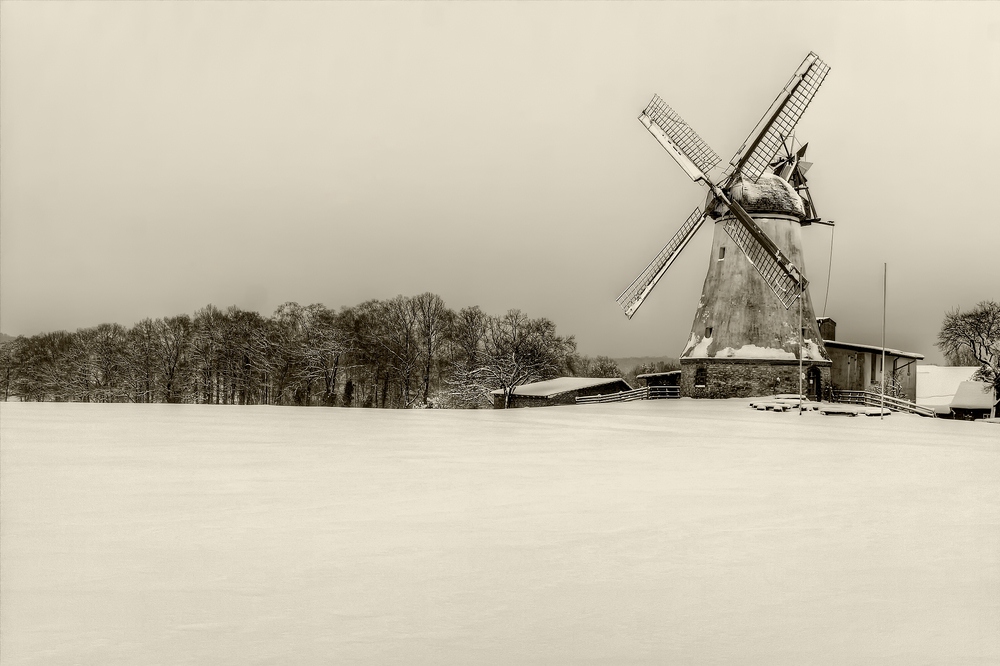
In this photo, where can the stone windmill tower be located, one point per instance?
(747, 339)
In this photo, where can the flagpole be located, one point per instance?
(885, 275)
(800, 352)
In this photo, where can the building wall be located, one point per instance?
(862, 371)
(738, 378)
(737, 307)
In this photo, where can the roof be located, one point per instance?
(553, 387)
(658, 374)
(936, 384)
(973, 395)
(871, 348)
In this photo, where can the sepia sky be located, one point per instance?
(158, 157)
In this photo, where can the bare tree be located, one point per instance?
(516, 350)
(173, 337)
(975, 335)
(433, 322)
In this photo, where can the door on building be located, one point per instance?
(815, 388)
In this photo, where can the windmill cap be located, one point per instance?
(770, 194)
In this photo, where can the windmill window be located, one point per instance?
(722, 253)
(700, 377)
(708, 331)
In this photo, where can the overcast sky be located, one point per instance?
(158, 157)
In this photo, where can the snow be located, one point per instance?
(973, 395)
(669, 531)
(700, 350)
(690, 344)
(753, 351)
(937, 385)
(559, 385)
(873, 348)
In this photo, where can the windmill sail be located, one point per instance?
(778, 272)
(679, 139)
(632, 298)
(757, 152)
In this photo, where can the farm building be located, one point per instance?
(662, 384)
(973, 400)
(858, 367)
(559, 391)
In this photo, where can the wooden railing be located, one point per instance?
(661, 392)
(623, 396)
(645, 393)
(872, 399)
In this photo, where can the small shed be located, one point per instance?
(972, 401)
(560, 391)
(671, 378)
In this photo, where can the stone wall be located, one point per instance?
(744, 378)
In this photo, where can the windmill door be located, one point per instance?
(814, 390)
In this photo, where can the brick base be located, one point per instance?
(745, 378)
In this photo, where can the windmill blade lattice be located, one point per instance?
(784, 286)
(632, 298)
(681, 134)
(768, 137)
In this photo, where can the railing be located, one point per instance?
(661, 392)
(645, 393)
(872, 399)
(623, 396)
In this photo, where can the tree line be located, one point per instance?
(404, 352)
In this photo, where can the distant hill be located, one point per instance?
(4, 338)
(628, 363)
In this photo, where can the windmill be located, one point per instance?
(745, 339)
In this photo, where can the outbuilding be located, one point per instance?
(857, 367)
(973, 400)
(560, 391)
(662, 384)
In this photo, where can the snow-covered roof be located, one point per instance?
(658, 374)
(973, 395)
(936, 385)
(871, 348)
(552, 387)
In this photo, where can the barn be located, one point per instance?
(560, 391)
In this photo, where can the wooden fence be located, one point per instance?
(645, 393)
(872, 399)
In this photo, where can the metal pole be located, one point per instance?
(800, 352)
(885, 275)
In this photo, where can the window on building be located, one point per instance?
(701, 377)
(708, 331)
(722, 253)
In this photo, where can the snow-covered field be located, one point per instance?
(666, 532)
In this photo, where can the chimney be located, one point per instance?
(827, 328)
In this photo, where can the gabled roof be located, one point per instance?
(836, 344)
(553, 387)
(973, 395)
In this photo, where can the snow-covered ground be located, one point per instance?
(665, 532)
